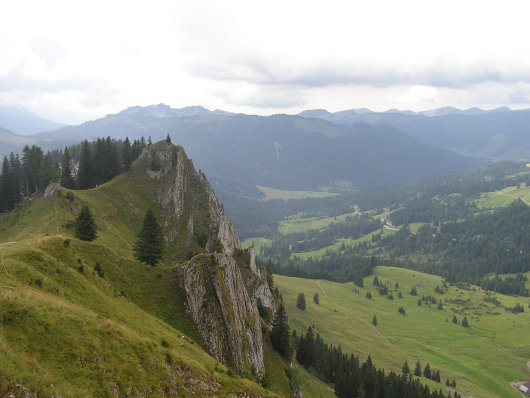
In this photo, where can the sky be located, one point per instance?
(73, 61)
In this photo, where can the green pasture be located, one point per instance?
(337, 245)
(272, 193)
(483, 359)
(300, 223)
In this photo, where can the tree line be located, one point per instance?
(80, 166)
(350, 377)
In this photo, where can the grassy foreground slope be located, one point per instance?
(483, 359)
(68, 330)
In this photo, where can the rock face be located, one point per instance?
(226, 318)
(222, 284)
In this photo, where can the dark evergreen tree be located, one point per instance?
(300, 301)
(85, 174)
(67, 180)
(374, 321)
(464, 322)
(5, 187)
(316, 298)
(148, 248)
(168, 139)
(126, 155)
(47, 173)
(280, 336)
(417, 369)
(85, 227)
(427, 371)
(405, 369)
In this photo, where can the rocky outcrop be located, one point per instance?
(223, 284)
(185, 186)
(225, 316)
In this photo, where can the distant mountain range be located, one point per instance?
(497, 134)
(24, 122)
(238, 152)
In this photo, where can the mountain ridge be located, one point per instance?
(126, 328)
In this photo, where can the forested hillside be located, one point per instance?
(460, 226)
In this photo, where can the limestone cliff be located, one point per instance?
(221, 282)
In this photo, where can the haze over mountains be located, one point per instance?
(497, 134)
(238, 152)
(24, 122)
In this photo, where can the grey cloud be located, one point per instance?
(256, 70)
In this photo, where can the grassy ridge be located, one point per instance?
(483, 358)
(66, 330)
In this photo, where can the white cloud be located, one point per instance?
(89, 59)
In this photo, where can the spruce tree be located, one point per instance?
(148, 247)
(280, 336)
(300, 301)
(374, 321)
(464, 322)
(66, 173)
(406, 369)
(4, 186)
(427, 371)
(85, 227)
(417, 370)
(126, 155)
(85, 173)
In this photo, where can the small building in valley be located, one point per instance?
(525, 387)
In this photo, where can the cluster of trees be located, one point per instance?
(26, 176)
(513, 285)
(465, 323)
(350, 377)
(80, 166)
(333, 266)
(103, 159)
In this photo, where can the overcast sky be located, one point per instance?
(73, 61)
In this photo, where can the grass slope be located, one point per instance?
(65, 329)
(484, 358)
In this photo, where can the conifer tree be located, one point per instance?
(374, 321)
(427, 371)
(85, 173)
(280, 336)
(4, 186)
(417, 370)
(66, 173)
(300, 301)
(148, 247)
(406, 369)
(126, 155)
(464, 322)
(85, 227)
